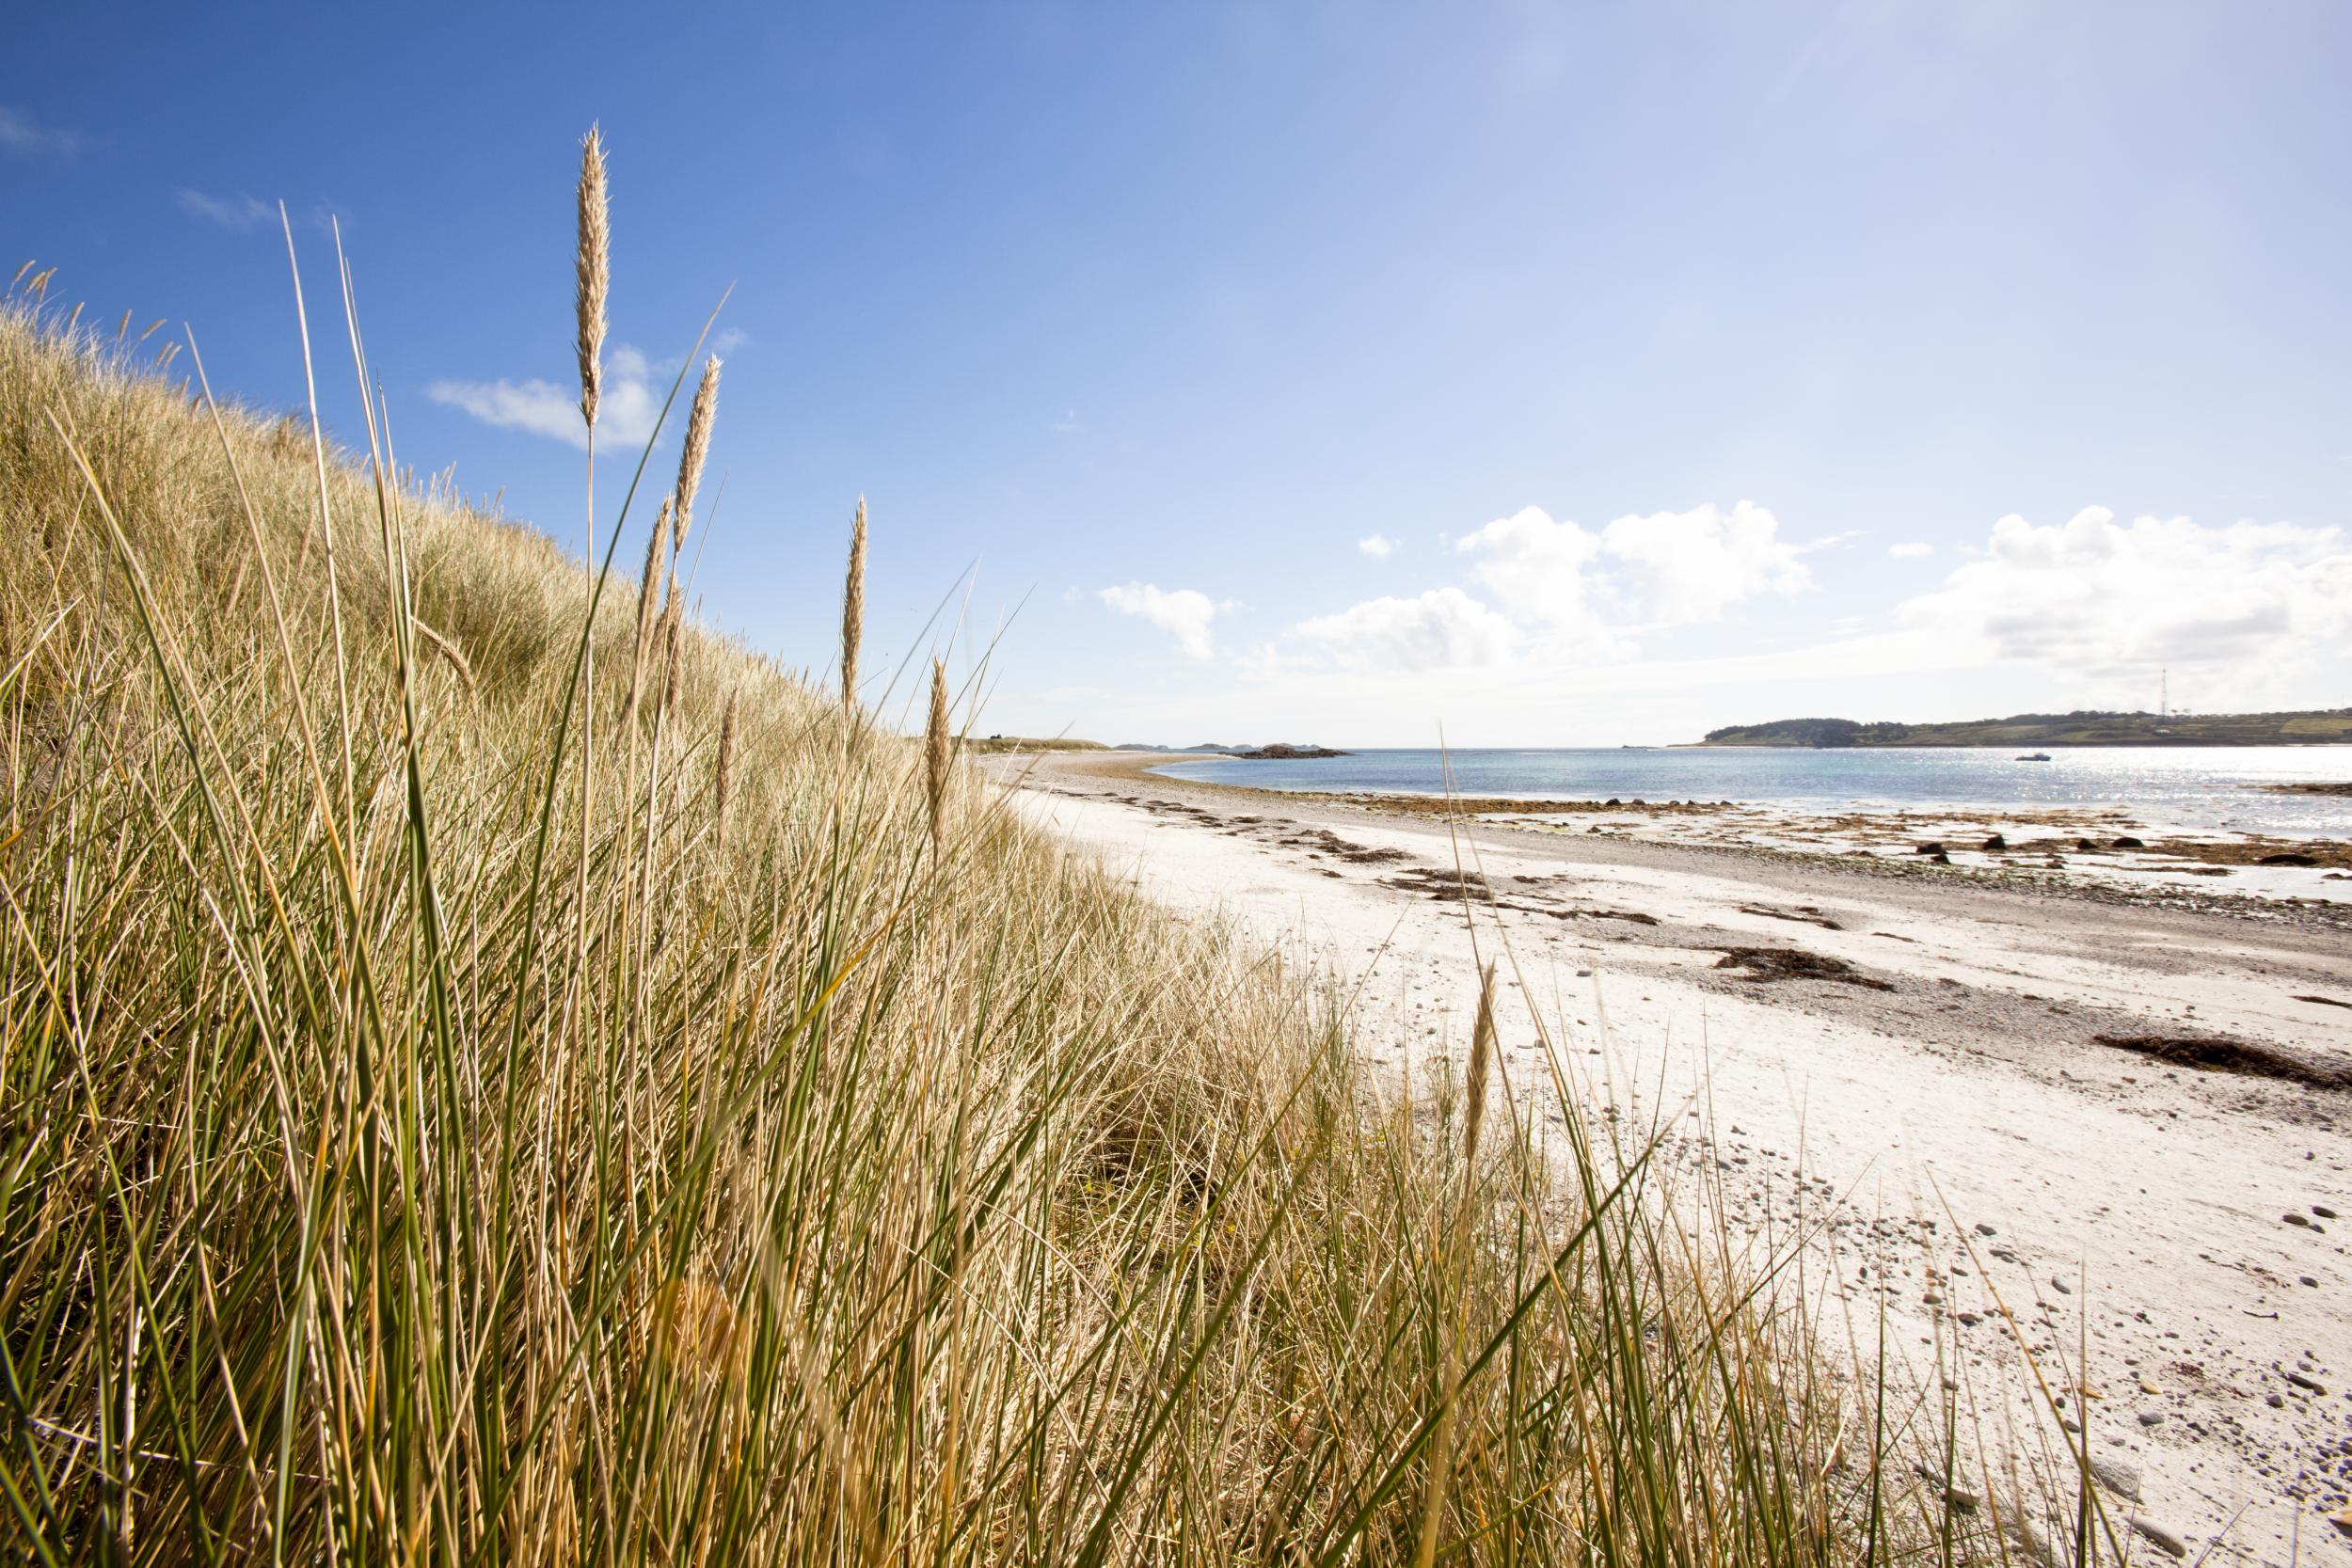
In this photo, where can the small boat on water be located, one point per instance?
(2035, 757)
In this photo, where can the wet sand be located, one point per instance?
(1992, 1077)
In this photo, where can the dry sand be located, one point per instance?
(1922, 1083)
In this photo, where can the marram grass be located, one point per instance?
(873, 1182)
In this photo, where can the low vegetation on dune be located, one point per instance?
(490, 1071)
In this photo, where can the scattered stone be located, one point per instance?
(1932, 847)
(1983, 1229)
(2323, 1212)
(2060, 1286)
(2084, 846)
(1997, 843)
(2309, 1384)
(2296, 1219)
(2128, 842)
(1939, 858)
(2117, 1477)
(2288, 857)
(2159, 1537)
(2151, 1417)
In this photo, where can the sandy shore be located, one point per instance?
(1907, 1055)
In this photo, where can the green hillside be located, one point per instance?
(2331, 726)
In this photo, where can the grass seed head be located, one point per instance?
(727, 756)
(853, 608)
(936, 742)
(595, 265)
(689, 461)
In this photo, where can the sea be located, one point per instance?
(2213, 788)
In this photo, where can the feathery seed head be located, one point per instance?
(853, 608)
(935, 751)
(671, 660)
(645, 587)
(690, 462)
(1481, 1063)
(727, 756)
(594, 266)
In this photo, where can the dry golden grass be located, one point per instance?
(870, 1181)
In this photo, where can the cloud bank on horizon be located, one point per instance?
(1544, 606)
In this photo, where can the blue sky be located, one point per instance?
(1558, 375)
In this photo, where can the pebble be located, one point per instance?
(2117, 1477)
(2060, 1286)
(2296, 1219)
(2151, 1417)
(2310, 1382)
(2323, 1212)
(2161, 1538)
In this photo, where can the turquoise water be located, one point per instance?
(2187, 786)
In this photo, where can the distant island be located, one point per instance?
(1278, 751)
(2319, 727)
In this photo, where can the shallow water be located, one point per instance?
(2207, 787)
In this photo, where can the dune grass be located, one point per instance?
(418, 1144)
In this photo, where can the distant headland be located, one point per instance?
(2316, 728)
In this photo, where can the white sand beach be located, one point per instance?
(1923, 1081)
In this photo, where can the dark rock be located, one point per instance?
(2084, 845)
(2128, 842)
(1996, 842)
(1932, 847)
(2288, 858)
(1286, 753)
(2323, 1212)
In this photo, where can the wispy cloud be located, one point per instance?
(241, 213)
(237, 213)
(1378, 545)
(24, 136)
(1068, 424)
(1183, 612)
(1910, 549)
(625, 417)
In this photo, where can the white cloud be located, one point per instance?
(2094, 598)
(1695, 564)
(1183, 612)
(1442, 629)
(20, 133)
(1379, 547)
(1910, 550)
(1536, 565)
(624, 416)
(1667, 568)
(237, 213)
